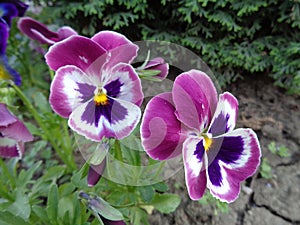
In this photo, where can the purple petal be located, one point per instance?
(95, 173)
(124, 124)
(131, 90)
(6, 117)
(195, 99)
(162, 134)
(194, 158)
(3, 36)
(75, 50)
(115, 120)
(10, 148)
(121, 49)
(37, 31)
(225, 117)
(158, 64)
(70, 88)
(17, 131)
(8, 73)
(8, 12)
(238, 158)
(65, 32)
(111, 222)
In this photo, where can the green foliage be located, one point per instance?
(235, 38)
(281, 151)
(217, 205)
(265, 169)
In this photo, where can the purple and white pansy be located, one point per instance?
(13, 134)
(192, 120)
(95, 86)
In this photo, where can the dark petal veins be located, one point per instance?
(89, 113)
(199, 150)
(214, 173)
(86, 90)
(113, 112)
(113, 88)
(231, 149)
(219, 125)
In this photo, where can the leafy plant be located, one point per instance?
(228, 34)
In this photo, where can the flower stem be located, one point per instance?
(62, 151)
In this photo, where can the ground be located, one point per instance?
(275, 116)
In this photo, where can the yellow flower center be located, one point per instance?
(3, 73)
(208, 142)
(101, 98)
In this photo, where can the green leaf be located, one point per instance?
(41, 213)
(147, 193)
(25, 176)
(166, 203)
(21, 207)
(161, 187)
(100, 206)
(52, 209)
(8, 218)
(54, 173)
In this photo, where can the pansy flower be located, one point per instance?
(8, 10)
(13, 134)
(193, 121)
(95, 86)
(38, 31)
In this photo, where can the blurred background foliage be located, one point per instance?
(235, 38)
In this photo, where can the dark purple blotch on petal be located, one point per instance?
(214, 173)
(113, 111)
(113, 88)
(86, 90)
(219, 125)
(199, 152)
(231, 149)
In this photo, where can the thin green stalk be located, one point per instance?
(62, 153)
(7, 173)
(118, 151)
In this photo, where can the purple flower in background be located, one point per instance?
(13, 134)
(95, 86)
(38, 31)
(159, 64)
(193, 121)
(8, 10)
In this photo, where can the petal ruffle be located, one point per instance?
(131, 89)
(70, 88)
(121, 49)
(10, 148)
(237, 159)
(17, 131)
(162, 134)
(75, 50)
(195, 99)
(225, 117)
(194, 158)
